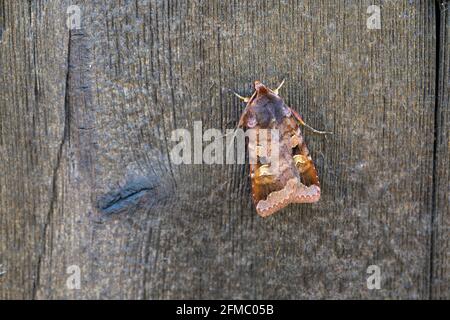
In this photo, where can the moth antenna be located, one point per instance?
(279, 87)
(245, 99)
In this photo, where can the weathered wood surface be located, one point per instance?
(440, 258)
(85, 123)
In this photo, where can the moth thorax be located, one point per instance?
(302, 162)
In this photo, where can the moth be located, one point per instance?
(295, 178)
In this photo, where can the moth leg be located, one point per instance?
(300, 120)
(279, 87)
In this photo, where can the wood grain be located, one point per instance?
(85, 123)
(440, 251)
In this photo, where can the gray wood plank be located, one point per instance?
(109, 201)
(33, 69)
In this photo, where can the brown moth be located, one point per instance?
(295, 180)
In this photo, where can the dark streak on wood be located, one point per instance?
(440, 220)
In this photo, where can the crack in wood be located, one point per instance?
(54, 196)
(134, 192)
(440, 12)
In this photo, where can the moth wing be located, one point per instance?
(262, 184)
(303, 162)
(296, 115)
(296, 183)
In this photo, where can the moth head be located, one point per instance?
(263, 90)
(260, 88)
